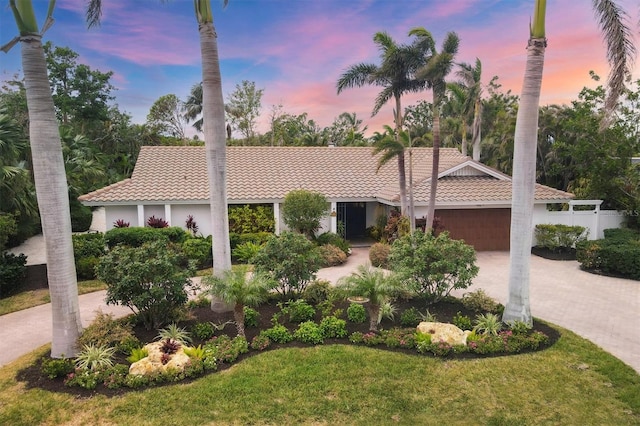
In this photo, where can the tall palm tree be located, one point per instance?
(470, 78)
(371, 283)
(620, 52)
(50, 181)
(394, 75)
(214, 131)
(240, 288)
(434, 71)
(192, 107)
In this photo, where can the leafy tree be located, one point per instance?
(371, 283)
(243, 108)
(620, 50)
(166, 117)
(303, 210)
(433, 266)
(434, 71)
(150, 280)
(345, 131)
(50, 181)
(395, 76)
(81, 95)
(291, 260)
(240, 288)
(192, 107)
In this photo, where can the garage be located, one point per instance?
(484, 229)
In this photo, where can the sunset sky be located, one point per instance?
(296, 49)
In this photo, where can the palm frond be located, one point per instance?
(382, 98)
(94, 13)
(356, 76)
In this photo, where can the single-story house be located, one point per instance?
(473, 200)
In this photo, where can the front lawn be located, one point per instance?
(573, 382)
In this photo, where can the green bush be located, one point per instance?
(559, 237)
(199, 250)
(105, 330)
(136, 236)
(203, 330)
(260, 342)
(149, 279)
(250, 317)
(433, 266)
(278, 334)
(331, 255)
(318, 291)
(88, 245)
(410, 317)
(463, 322)
(617, 254)
(335, 240)
(259, 238)
(298, 311)
(303, 210)
(53, 368)
(86, 268)
(245, 252)
(379, 255)
(289, 259)
(251, 219)
(8, 228)
(309, 332)
(333, 328)
(621, 234)
(81, 216)
(479, 301)
(356, 313)
(13, 271)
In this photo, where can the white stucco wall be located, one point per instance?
(126, 213)
(200, 212)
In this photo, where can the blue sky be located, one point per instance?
(296, 49)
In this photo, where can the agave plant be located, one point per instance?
(487, 324)
(173, 332)
(93, 357)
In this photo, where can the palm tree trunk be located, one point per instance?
(401, 165)
(238, 316)
(215, 146)
(464, 148)
(53, 199)
(374, 311)
(477, 129)
(523, 186)
(431, 209)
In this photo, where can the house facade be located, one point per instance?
(473, 201)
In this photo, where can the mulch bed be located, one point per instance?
(443, 311)
(563, 254)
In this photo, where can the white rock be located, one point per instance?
(444, 332)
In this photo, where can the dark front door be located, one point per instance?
(353, 217)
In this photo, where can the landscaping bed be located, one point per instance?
(444, 311)
(557, 254)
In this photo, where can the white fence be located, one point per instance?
(596, 220)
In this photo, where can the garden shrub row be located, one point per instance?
(136, 236)
(617, 254)
(559, 237)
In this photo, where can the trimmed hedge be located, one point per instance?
(617, 254)
(13, 271)
(136, 236)
(335, 240)
(559, 237)
(87, 250)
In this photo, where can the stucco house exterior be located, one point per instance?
(473, 201)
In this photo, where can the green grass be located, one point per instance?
(31, 298)
(574, 382)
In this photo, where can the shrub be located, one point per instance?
(302, 211)
(86, 268)
(259, 238)
(203, 330)
(356, 313)
(54, 368)
(433, 266)
(157, 222)
(199, 250)
(174, 333)
(105, 330)
(13, 271)
(410, 317)
(331, 255)
(379, 255)
(332, 327)
(298, 311)
(309, 332)
(245, 252)
(251, 219)
(278, 334)
(136, 236)
(479, 301)
(121, 223)
(318, 291)
(463, 322)
(335, 240)
(617, 254)
(621, 234)
(225, 349)
(260, 342)
(291, 260)
(399, 338)
(191, 225)
(559, 237)
(81, 216)
(148, 279)
(487, 324)
(93, 357)
(8, 228)
(250, 317)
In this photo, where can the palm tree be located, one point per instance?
(371, 283)
(237, 288)
(434, 71)
(470, 78)
(394, 74)
(620, 51)
(192, 107)
(50, 181)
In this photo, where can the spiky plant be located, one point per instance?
(173, 332)
(487, 324)
(93, 357)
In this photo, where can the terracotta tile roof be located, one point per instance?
(269, 173)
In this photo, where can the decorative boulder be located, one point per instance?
(444, 332)
(153, 362)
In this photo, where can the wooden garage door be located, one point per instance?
(484, 229)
